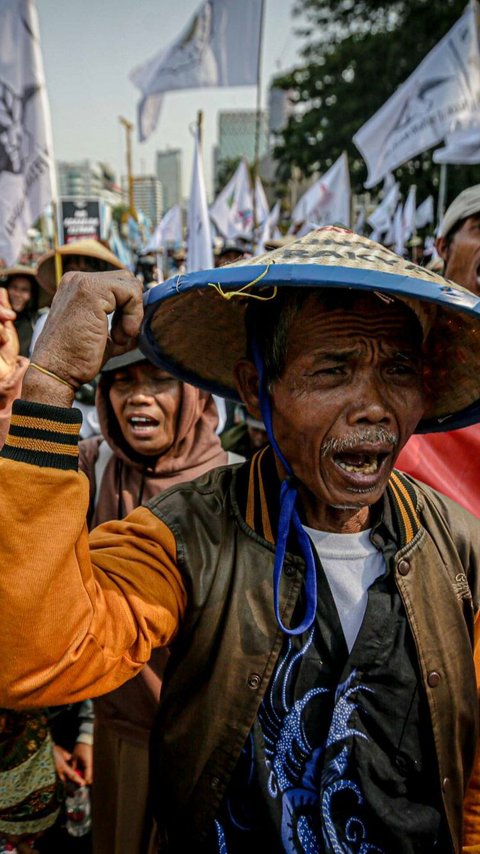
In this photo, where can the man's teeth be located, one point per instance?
(369, 466)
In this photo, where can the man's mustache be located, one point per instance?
(370, 435)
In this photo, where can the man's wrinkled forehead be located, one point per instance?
(320, 326)
(369, 313)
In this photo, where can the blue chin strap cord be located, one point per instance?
(288, 516)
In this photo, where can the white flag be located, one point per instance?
(219, 47)
(408, 213)
(261, 202)
(388, 182)
(232, 210)
(326, 202)
(445, 86)
(27, 174)
(398, 232)
(462, 146)
(381, 218)
(270, 228)
(199, 236)
(168, 230)
(424, 214)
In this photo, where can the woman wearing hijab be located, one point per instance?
(157, 432)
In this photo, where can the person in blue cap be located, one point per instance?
(320, 607)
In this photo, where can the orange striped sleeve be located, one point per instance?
(77, 618)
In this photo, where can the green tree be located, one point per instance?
(356, 53)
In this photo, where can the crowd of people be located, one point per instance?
(267, 641)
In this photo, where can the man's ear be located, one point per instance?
(246, 380)
(442, 248)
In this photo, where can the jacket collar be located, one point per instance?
(258, 490)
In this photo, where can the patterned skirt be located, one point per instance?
(30, 792)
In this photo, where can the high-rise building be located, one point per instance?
(169, 172)
(236, 134)
(148, 197)
(88, 179)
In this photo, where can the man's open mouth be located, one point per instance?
(360, 463)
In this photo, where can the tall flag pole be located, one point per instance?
(199, 235)
(258, 119)
(57, 256)
(128, 138)
(27, 170)
(442, 193)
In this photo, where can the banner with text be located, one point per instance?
(443, 91)
(78, 219)
(27, 173)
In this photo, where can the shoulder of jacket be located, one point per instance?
(215, 484)
(428, 499)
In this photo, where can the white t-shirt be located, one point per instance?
(351, 563)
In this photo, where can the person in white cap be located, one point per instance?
(319, 606)
(449, 461)
(458, 240)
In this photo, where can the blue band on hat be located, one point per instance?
(288, 516)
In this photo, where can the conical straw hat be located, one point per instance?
(88, 247)
(195, 324)
(7, 273)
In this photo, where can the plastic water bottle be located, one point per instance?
(77, 806)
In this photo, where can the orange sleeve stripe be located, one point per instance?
(44, 424)
(41, 445)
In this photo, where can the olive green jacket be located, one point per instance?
(229, 642)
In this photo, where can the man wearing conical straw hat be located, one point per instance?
(320, 607)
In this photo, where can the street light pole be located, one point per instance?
(128, 133)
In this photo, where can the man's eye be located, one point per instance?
(329, 371)
(403, 369)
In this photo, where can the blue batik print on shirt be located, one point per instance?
(335, 779)
(299, 774)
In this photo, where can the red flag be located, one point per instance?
(447, 461)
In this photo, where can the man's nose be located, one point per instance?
(368, 403)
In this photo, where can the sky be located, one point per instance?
(89, 49)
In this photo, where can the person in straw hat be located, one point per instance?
(86, 256)
(23, 291)
(319, 606)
